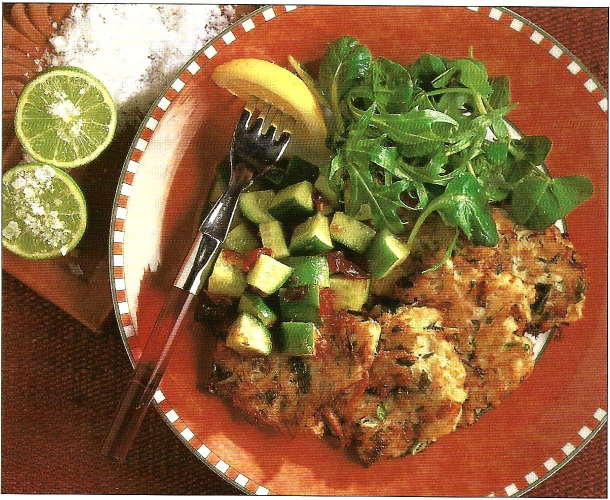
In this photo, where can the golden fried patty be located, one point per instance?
(544, 259)
(289, 392)
(487, 312)
(414, 390)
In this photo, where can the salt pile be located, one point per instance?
(135, 50)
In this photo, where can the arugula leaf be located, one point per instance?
(500, 92)
(471, 75)
(497, 152)
(465, 205)
(383, 200)
(447, 254)
(431, 173)
(422, 100)
(345, 63)
(444, 78)
(538, 202)
(471, 135)
(392, 86)
(427, 68)
(416, 126)
(500, 129)
(390, 160)
(456, 104)
(422, 150)
(524, 156)
(571, 191)
(482, 123)
(492, 179)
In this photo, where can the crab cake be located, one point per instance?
(487, 313)
(544, 259)
(289, 392)
(548, 261)
(414, 391)
(501, 357)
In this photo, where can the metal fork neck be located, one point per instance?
(218, 220)
(212, 232)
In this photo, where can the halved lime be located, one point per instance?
(44, 213)
(65, 117)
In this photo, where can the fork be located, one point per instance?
(254, 149)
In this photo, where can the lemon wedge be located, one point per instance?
(277, 86)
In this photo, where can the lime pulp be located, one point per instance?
(65, 117)
(44, 214)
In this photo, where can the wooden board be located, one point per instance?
(78, 283)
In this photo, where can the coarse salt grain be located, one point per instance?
(64, 109)
(18, 183)
(11, 230)
(37, 209)
(134, 49)
(44, 173)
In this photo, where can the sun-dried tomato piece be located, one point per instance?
(318, 200)
(326, 301)
(253, 255)
(338, 263)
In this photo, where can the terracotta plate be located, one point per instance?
(165, 182)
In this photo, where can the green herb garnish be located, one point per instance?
(432, 137)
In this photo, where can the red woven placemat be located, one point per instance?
(61, 382)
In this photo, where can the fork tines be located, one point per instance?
(270, 122)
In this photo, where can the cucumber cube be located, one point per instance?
(349, 232)
(385, 253)
(364, 212)
(322, 184)
(268, 274)
(309, 270)
(248, 336)
(299, 170)
(298, 339)
(242, 238)
(300, 304)
(311, 237)
(293, 202)
(272, 236)
(349, 293)
(385, 286)
(255, 204)
(227, 277)
(255, 305)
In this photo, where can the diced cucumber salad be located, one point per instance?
(429, 137)
(291, 260)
